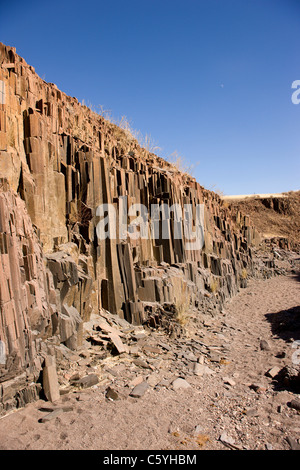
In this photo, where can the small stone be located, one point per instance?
(153, 380)
(201, 369)
(134, 351)
(88, 381)
(164, 346)
(226, 440)
(180, 383)
(75, 377)
(229, 381)
(50, 409)
(119, 345)
(190, 357)
(111, 394)
(151, 350)
(139, 390)
(264, 345)
(141, 363)
(214, 357)
(137, 380)
(293, 444)
(252, 412)
(198, 430)
(295, 404)
(273, 372)
(164, 383)
(51, 415)
(258, 388)
(174, 429)
(50, 380)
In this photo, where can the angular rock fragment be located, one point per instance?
(50, 380)
(264, 345)
(50, 416)
(140, 363)
(295, 404)
(136, 381)
(180, 383)
(273, 372)
(139, 390)
(111, 394)
(229, 381)
(88, 381)
(202, 369)
(118, 344)
(229, 441)
(293, 444)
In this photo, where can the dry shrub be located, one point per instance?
(178, 162)
(182, 304)
(244, 273)
(214, 285)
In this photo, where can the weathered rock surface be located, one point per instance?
(59, 162)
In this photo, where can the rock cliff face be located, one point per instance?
(59, 164)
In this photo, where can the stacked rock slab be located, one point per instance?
(64, 162)
(25, 299)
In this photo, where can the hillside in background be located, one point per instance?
(275, 216)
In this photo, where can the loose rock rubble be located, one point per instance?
(173, 393)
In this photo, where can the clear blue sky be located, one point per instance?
(210, 79)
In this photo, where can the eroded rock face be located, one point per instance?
(25, 296)
(64, 161)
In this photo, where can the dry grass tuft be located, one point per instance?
(214, 285)
(182, 304)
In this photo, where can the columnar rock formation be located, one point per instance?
(59, 162)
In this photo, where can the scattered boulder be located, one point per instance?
(50, 416)
(118, 344)
(264, 345)
(139, 390)
(228, 441)
(111, 394)
(229, 381)
(295, 404)
(50, 380)
(290, 377)
(88, 381)
(180, 383)
(293, 444)
(202, 369)
(273, 372)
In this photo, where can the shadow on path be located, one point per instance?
(297, 276)
(286, 325)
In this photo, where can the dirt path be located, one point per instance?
(235, 400)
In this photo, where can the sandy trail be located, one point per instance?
(195, 418)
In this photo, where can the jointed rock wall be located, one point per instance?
(59, 162)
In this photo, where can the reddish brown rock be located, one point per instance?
(59, 162)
